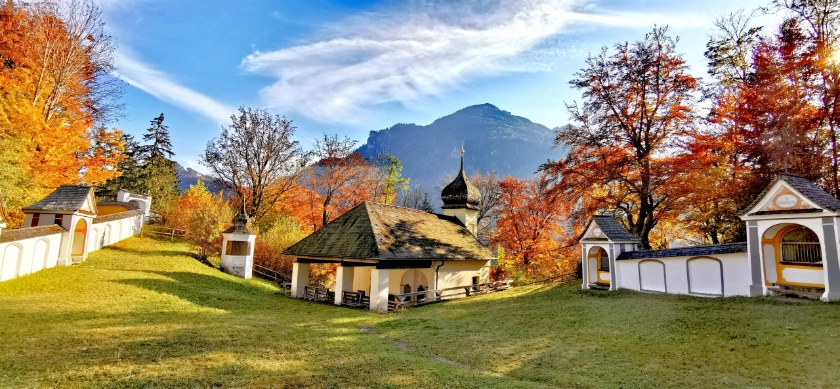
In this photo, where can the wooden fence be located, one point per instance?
(273, 276)
(160, 231)
(414, 299)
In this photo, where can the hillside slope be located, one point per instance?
(143, 313)
(493, 139)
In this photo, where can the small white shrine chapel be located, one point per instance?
(791, 249)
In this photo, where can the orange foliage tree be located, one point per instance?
(203, 216)
(55, 84)
(341, 178)
(637, 101)
(531, 231)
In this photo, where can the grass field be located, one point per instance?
(144, 314)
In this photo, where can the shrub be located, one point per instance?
(203, 216)
(271, 243)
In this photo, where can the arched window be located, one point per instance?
(604, 260)
(801, 245)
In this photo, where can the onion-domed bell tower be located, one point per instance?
(461, 199)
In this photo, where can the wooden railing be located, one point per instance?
(414, 299)
(355, 299)
(172, 233)
(318, 294)
(405, 300)
(271, 275)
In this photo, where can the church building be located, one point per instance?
(388, 254)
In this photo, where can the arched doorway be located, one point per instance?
(793, 256)
(414, 281)
(79, 239)
(599, 266)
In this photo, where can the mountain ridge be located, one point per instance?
(494, 139)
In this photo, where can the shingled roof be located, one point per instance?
(805, 187)
(125, 204)
(29, 232)
(117, 216)
(65, 198)
(240, 225)
(691, 251)
(611, 229)
(385, 232)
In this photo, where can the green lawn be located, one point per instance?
(143, 314)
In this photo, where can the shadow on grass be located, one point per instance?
(163, 253)
(204, 290)
(564, 336)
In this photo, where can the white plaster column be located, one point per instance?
(584, 263)
(343, 282)
(831, 260)
(300, 278)
(754, 254)
(613, 268)
(379, 290)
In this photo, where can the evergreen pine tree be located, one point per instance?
(159, 175)
(160, 145)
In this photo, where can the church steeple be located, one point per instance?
(461, 199)
(460, 193)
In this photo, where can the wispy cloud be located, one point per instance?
(159, 85)
(423, 49)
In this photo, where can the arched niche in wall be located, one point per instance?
(705, 276)
(11, 259)
(40, 257)
(652, 276)
(93, 240)
(106, 236)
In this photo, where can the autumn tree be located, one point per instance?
(269, 246)
(531, 228)
(335, 172)
(813, 26)
(636, 100)
(256, 159)
(203, 216)
(393, 180)
(57, 94)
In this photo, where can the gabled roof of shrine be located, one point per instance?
(75, 198)
(385, 232)
(802, 186)
(609, 228)
(690, 251)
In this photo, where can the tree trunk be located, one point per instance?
(327, 202)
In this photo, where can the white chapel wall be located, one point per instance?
(21, 257)
(26, 256)
(697, 275)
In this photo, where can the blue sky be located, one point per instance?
(349, 67)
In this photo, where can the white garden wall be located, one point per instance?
(21, 254)
(717, 275)
(22, 257)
